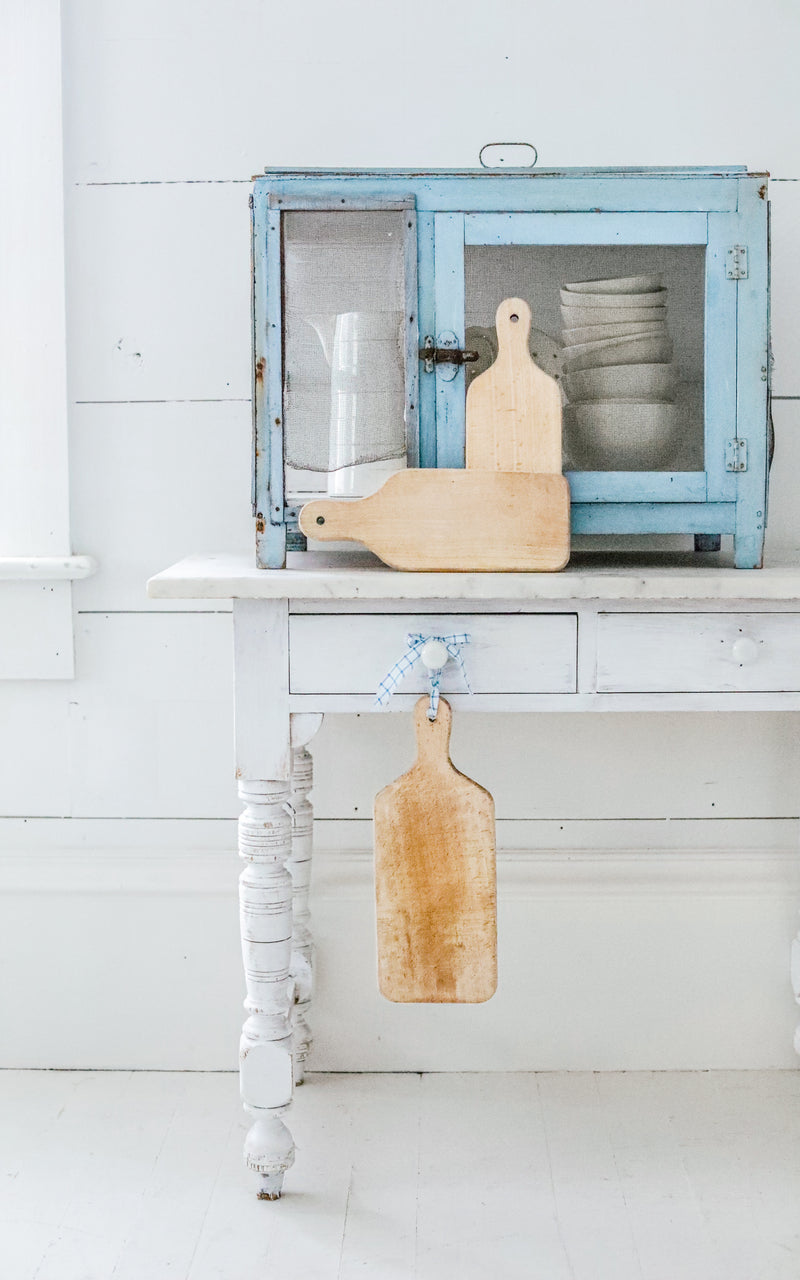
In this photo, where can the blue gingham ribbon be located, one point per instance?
(416, 644)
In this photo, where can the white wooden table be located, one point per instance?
(627, 635)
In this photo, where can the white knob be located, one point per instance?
(744, 650)
(434, 655)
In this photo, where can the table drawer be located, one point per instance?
(698, 652)
(508, 653)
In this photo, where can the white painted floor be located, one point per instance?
(647, 1176)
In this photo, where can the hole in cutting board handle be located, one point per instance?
(433, 736)
(508, 155)
(514, 318)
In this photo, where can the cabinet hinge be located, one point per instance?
(736, 455)
(736, 262)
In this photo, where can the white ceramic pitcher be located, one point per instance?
(363, 350)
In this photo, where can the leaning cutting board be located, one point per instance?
(514, 408)
(454, 520)
(435, 877)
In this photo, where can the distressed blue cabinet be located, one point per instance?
(368, 287)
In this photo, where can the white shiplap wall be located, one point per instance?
(664, 942)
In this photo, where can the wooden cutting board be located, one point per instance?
(466, 521)
(435, 877)
(514, 408)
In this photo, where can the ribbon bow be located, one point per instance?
(416, 643)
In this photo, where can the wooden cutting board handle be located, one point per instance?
(470, 521)
(433, 736)
(435, 877)
(514, 408)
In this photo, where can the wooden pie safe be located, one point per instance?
(374, 291)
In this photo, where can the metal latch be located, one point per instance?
(736, 262)
(446, 352)
(736, 455)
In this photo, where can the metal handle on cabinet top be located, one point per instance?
(451, 354)
(502, 162)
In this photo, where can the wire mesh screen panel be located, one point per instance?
(344, 344)
(621, 327)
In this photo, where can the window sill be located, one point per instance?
(46, 568)
(36, 629)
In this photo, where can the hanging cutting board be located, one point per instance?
(435, 877)
(454, 520)
(514, 408)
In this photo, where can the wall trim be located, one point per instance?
(46, 568)
(527, 873)
(48, 834)
(347, 875)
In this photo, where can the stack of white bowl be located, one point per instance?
(618, 375)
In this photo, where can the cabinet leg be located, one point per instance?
(748, 550)
(265, 1053)
(707, 541)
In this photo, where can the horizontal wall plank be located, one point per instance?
(34, 744)
(158, 292)
(152, 483)
(151, 718)
(154, 91)
(596, 834)
(607, 961)
(614, 765)
(36, 630)
(25, 836)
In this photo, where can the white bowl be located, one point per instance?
(620, 284)
(621, 435)
(602, 332)
(484, 341)
(545, 350)
(655, 298)
(653, 382)
(595, 355)
(575, 317)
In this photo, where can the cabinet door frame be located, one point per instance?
(269, 496)
(453, 232)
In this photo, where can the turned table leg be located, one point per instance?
(263, 766)
(265, 1052)
(299, 866)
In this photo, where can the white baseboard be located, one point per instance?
(346, 875)
(609, 959)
